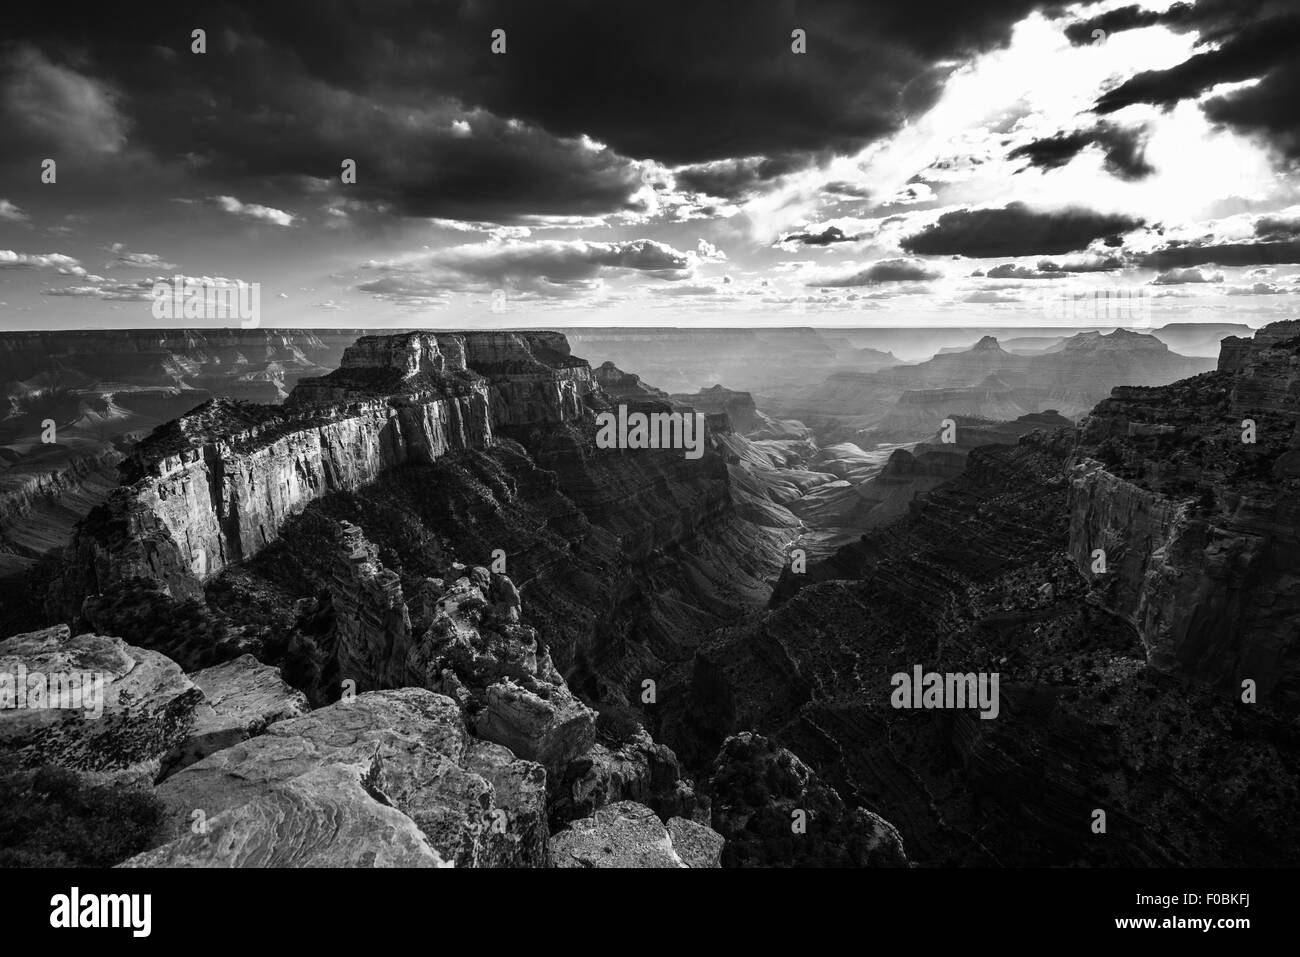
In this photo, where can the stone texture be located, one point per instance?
(324, 818)
(695, 844)
(477, 805)
(633, 770)
(1201, 530)
(544, 723)
(216, 485)
(240, 698)
(627, 834)
(371, 624)
(149, 706)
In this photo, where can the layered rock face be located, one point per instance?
(1200, 529)
(372, 624)
(106, 388)
(216, 486)
(738, 406)
(979, 577)
(43, 496)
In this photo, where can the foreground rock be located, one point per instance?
(240, 699)
(627, 834)
(324, 818)
(122, 729)
(473, 801)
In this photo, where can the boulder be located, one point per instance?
(627, 834)
(543, 723)
(323, 818)
(120, 729)
(477, 805)
(240, 698)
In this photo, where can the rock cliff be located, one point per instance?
(1198, 516)
(216, 486)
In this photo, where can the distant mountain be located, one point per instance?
(906, 402)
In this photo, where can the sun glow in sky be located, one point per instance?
(899, 172)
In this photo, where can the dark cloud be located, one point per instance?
(1054, 152)
(1175, 256)
(1015, 230)
(1240, 40)
(1124, 150)
(829, 235)
(737, 178)
(1014, 271)
(846, 190)
(1080, 33)
(535, 268)
(885, 271)
(1180, 277)
(288, 89)
(1082, 264)
(1277, 227)
(1267, 109)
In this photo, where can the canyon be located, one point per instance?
(417, 599)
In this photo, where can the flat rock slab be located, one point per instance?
(325, 818)
(144, 709)
(475, 803)
(240, 699)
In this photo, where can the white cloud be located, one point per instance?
(266, 214)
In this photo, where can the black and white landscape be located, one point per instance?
(573, 434)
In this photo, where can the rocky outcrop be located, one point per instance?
(216, 486)
(635, 769)
(625, 385)
(1200, 529)
(628, 834)
(42, 497)
(388, 759)
(240, 699)
(543, 723)
(772, 810)
(124, 710)
(326, 817)
(979, 577)
(738, 406)
(371, 623)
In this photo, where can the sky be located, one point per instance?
(737, 163)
